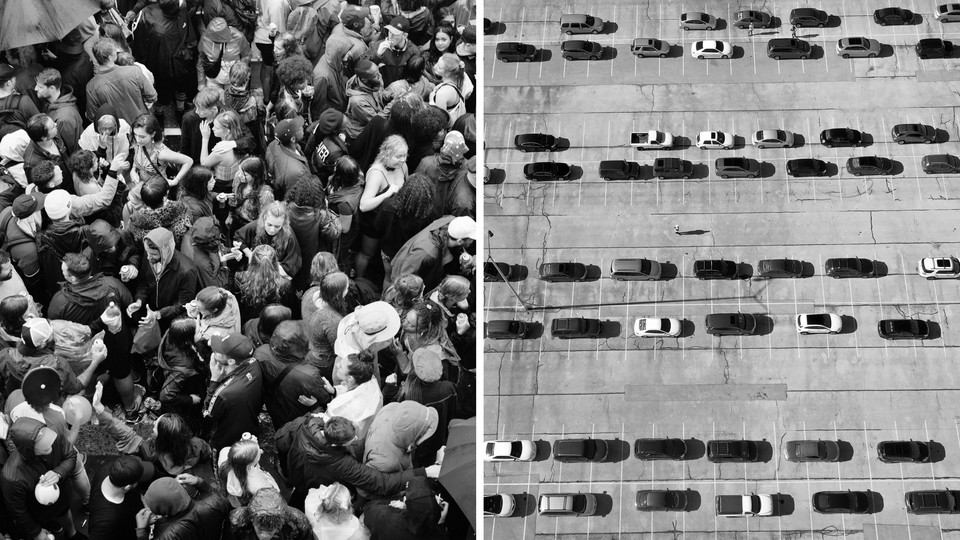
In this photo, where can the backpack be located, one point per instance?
(303, 23)
(11, 118)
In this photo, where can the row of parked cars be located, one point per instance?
(718, 451)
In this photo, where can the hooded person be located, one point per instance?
(42, 458)
(268, 513)
(204, 246)
(395, 433)
(180, 516)
(415, 517)
(364, 97)
(108, 136)
(168, 279)
(443, 168)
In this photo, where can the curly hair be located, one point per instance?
(415, 198)
(294, 70)
(261, 282)
(308, 192)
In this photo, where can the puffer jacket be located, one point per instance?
(268, 502)
(395, 429)
(415, 520)
(22, 473)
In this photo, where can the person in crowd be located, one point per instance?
(240, 471)
(429, 251)
(173, 514)
(272, 228)
(260, 329)
(114, 499)
(315, 227)
(403, 216)
(383, 180)
(263, 283)
(108, 135)
(124, 87)
(61, 106)
(152, 157)
(235, 391)
(195, 193)
(269, 516)
(330, 308)
(323, 263)
(344, 190)
(330, 512)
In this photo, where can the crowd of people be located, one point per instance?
(237, 242)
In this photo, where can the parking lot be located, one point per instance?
(774, 386)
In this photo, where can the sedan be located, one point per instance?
(804, 451)
(535, 142)
(714, 139)
(697, 21)
(947, 13)
(895, 329)
(840, 137)
(759, 19)
(892, 15)
(577, 49)
(940, 501)
(546, 170)
(841, 502)
(657, 327)
(939, 268)
(509, 451)
(562, 272)
(711, 49)
(806, 167)
(859, 166)
(903, 452)
(646, 47)
(934, 48)
(858, 47)
(650, 500)
(773, 138)
(940, 164)
(499, 505)
(656, 449)
(819, 323)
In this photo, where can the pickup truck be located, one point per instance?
(744, 505)
(653, 140)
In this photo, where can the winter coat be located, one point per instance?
(22, 473)
(205, 518)
(202, 245)
(171, 216)
(286, 166)
(396, 428)
(65, 113)
(425, 254)
(53, 242)
(268, 502)
(176, 284)
(416, 521)
(329, 80)
(289, 255)
(124, 87)
(316, 231)
(287, 347)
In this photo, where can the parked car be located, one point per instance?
(788, 48)
(579, 450)
(806, 167)
(858, 47)
(512, 51)
(575, 327)
(491, 273)
(841, 502)
(738, 451)
(650, 500)
(647, 47)
(568, 504)
(544, 171)
(571, 23)
(939, 268)
(934, 48)
(657, 449)
(892, 15)
(619, 169)
(499, 505)
(563, 272)
(635, 270)
(535, 142)
(832, 138)
(940, 164)
(509, 451)
(506, 329)
(772, 138)
(696, 20)
(947, 13)
(805, 451)
(672, 168)
(737, 167)
(730, 324)
(657, 327)
(870, 165)
(715, 269)
(849, 267)
(913, 133)
(903, 451)
(895, 329)
(819, 323)
(808, 17)
(711, 48)
(780, 268)
(934, 501)
(715, 139)
(577, 49)
(759, 19)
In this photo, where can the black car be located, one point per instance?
(730, 324)
(913, 133)
(780, 268)
(562, 272)
(672, 168)
(655, 449)
(903, 452)
(512, 51)
(934, 48)
(575, 327)
(940, 164)
(892, 15)
(535, 142)
(490, 272)
(759, 19)
(546, 171)
(715, 269)
(808, 17)
(894, 329)
(577, 49)
(934, 501)
(789, 48)
(806, 167)
(870, 165)
(849, 267)
(506, 329)
(650, 500)
(832, 138)
(733, 451)
(841, 502)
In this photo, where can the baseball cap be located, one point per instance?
(462, 227)
(236, 346)
(127, 470)
(398, 25)
(286, 129)
(36, 332)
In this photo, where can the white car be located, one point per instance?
(711, 48)
(499, 505)
(773, 138)
(657, 327)
(939, 268)
(714, 139)
(819, 323)
(947, 13)
(509, 451)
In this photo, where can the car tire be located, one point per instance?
(845, 56)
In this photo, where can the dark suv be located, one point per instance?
(730, 324)
(808, 17)
(780, 48)
(574, 450)
(511, 51)
(850, 267)
(733, 451)
(840, 137)
(715, 269)
(914, 133)
(780, 268)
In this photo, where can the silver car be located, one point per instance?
(800, 451)
(858, 47)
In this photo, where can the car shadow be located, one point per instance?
(866, 139)
(668, 271)
(594, 273)
(876, 502)
(609, 329)
(744, 270)
(880, 269)
(886, 51)
(785, 505)
(897, 168)
(700, 171)
(798, 140)
(609, 27)
(935, 331)
(767, 170)
(617, 451)
(942, 136)
(846, 451)
(609, 53)
(495, 176)
(526, 505)
(576, 173)
(544, 449)
(809, 269)
(604, 504)
(694, 500)
(848, 324)
(937, 452)
(764, 327)
(542, 55)
(676, 51)
(696, 449)
(535, 330)
(687, 328)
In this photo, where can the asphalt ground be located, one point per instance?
(775, 386)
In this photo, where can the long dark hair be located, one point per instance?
(173, 438)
